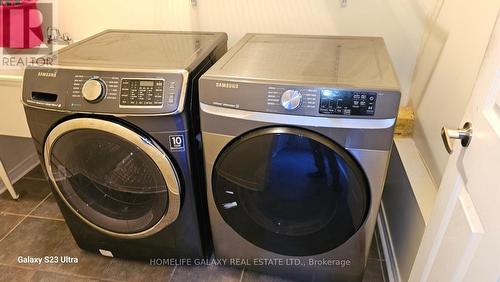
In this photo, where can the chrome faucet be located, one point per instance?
(54, 36)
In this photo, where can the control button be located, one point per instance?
(324, 104)
(291, 99)
(362, 103)
(94, 90)
(372, 98)
(363, 97)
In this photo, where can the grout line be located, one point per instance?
(39, 204)
(34, 178)
(20, 266)
(13, 213)
(15, 226)
(172, 274)
(25, 216)
(69, 274)
(242, 273)
(46, 218)
(32, 216)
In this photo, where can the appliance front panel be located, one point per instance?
(354, 251)
(363, 134)
(290, 190)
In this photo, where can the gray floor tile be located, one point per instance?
(49, 209)
(206, 274)
(133, 271)
(42, 237)
(37, 237)
(89, 264)
(36, 173)
(97, 266)
(250, 276)
(34, 238)
(7, 222)
(373, 272)
(31, 192)
(9, 274)
(43, 276)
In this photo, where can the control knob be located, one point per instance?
(94, 90)
(291, 99)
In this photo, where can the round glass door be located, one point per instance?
(290, 191)
(116, 180)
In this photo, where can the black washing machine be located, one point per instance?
(115, 123)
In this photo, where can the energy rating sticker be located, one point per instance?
(177, 143)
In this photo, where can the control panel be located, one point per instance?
(126, 92)
(347, 103)
(331, 101)
(105, 92)
(300, 100)
(142, 92)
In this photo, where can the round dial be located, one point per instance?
(291, 99)
(94, 89)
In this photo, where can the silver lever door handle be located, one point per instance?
(464, 134)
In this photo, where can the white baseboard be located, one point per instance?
(21, 169)
(387, 247)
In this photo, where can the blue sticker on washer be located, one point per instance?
(177, 143)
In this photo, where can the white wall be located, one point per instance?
(400, 22)
(12, 118)
(449, 61)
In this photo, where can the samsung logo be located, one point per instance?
(47, 74)
(227, 85)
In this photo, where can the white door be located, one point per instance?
(462, 239)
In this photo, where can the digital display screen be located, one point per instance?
(142, 92)
(346, 102)
(147, 83)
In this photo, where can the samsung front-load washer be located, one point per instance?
(297, 132)
(114, 122)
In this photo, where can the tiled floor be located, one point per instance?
(33, 226)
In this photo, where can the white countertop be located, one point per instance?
(11, 75)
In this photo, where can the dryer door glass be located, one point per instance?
(290, 191)
(108, 180)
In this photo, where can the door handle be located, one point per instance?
(464, 134)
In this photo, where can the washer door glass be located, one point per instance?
(108, 180)
(290, 191)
